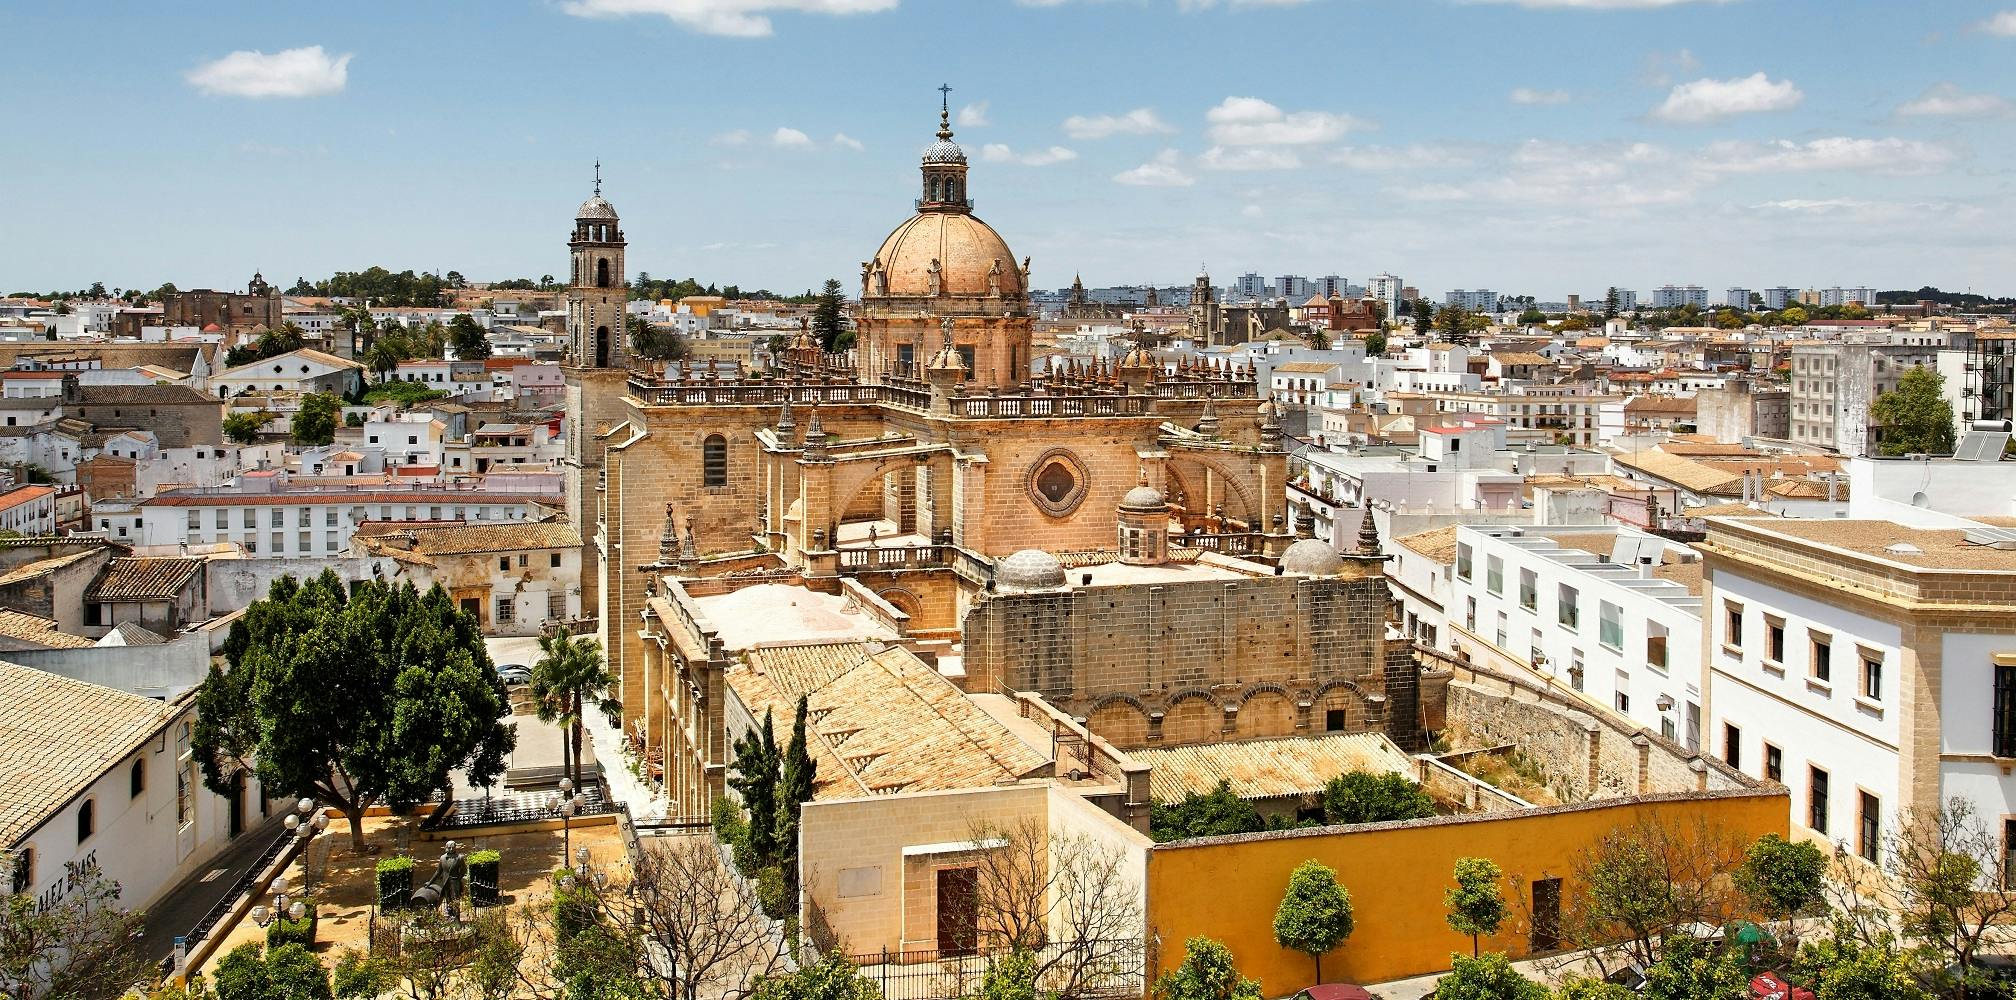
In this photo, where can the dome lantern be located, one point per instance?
(944, 166)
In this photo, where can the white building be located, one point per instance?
(1676, 296)
(1482, 300)
(102, 780)
(1386, 288)
(1776, 299)
(1736, 298)
(29, 510)
(302, 522)
(305, 370)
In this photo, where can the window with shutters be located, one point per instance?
(714, 461)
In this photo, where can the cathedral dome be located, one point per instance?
(1311, 558)
(965, 248)
(1144, 498)
(1029, 569)
(596, 208)
(944, 151)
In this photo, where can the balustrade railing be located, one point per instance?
(892, 557)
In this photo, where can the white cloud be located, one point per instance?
(1948, 101)
(973, 115)
(1252, 211)
(1884, 156)
(733, 18)
(1250, 121)
(1140, 121)
(1165, 170)
(1709, 100)
(1419, 157)
(790, 138)
(995, 152)
(1249, 158)
(1528, 95)
(1660, 67)
(306, 72)
(2001, 23)
(739, 137)
(845, 141)
(1598, 4)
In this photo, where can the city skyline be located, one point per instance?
(1686, 143)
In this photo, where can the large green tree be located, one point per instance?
(1424, 316)
(757, 765)
(243, 428)
(570, 679)
(467, 339)
(353, 697)
(827, 319)
(1783, 878)
(1204, 814)
(1315, 913)
(653, 342)
(795, 777)
(1915, 417)
(315, 422)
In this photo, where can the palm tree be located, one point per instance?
(383, 357)
(569, 678)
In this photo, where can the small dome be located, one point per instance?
(1144, 498)
(1312, 558)
(1029, 569)
(965, 248)
(944, 151)
(596, 208)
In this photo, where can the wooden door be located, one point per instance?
(958, 911)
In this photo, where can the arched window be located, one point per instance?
(86, 820)
(602, 272)
(137, 781)
(714, 461)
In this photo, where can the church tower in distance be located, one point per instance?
(595, 370)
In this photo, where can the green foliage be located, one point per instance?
(315, 422)
(395, 882)
(1845, 969)
(1207, 973)
(483, 867)
(598, 963)
(358, 976)
(654, 343)
(402, 392)
(575, 905)
(772, 894)
(1610, 303)
(467, 339)
(391, 687)
(285, 930)
(1477, 903)
(1375, 343)
(831, 978)
(382, 287)
(1315, 912)
(1364, 797)
(79, 946)
(828, 321)
(1215, 813)
(756, 767)
(1011, 977)
(1486, 977)
(1783, 878)
(795, 778)
(1424, 317)
(570, 677)
(243, 428)
(287, 972)
(1693, 969)
(1585, 988)
(1915, 417)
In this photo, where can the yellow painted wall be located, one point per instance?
(1228, 887)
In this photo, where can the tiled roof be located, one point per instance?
(45, 632)
(458, 539)
(29, 571)
(1685, 473)
(1438, 544)
(143, 579)
(1263, 769)
(15, 497)
(887, 724)
(59, 735)
(145, 395)
(1522, 358)
(131, 634)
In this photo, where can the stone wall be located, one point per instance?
(1195, 662)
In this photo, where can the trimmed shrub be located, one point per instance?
(395, 883)
(575, 908)
(285, 930)
(483, 877)
(771, 893)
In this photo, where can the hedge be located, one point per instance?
(285, 930)
(395, 883)
(483, 877)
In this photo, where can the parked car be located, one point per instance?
(1334, 991)
(514, 674)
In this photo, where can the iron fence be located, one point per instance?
(523, 808)
(238, 890)
(1073, 970)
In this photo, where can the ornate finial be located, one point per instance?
(689, 547)
(668, 540)
(815, 435)
(785, 423)
(1368, 534)
(598, 178)
(945, 111)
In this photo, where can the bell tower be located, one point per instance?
(595, 371)
(599, 289)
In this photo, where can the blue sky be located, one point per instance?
(1532, 146)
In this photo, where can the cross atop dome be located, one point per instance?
(945, 112)
(944, 165)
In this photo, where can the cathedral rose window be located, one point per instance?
(1057, 482)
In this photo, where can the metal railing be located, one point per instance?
(238, 889)
(1077, 969)
(526, 808)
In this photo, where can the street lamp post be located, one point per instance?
(571, 803)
